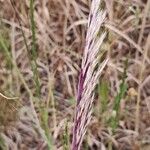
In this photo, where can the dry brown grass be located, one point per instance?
(60, 33)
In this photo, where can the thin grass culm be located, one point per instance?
(33, 50)
(89, 73)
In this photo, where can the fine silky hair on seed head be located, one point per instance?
(89, 74)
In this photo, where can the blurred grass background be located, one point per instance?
(41, 46)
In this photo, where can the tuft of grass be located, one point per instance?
(32, 54)
(114, 120)
(66, 139)
(13, 63)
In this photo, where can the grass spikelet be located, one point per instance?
(89, 74)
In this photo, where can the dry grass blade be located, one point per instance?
(89, 74)
(3, 96)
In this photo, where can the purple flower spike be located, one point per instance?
(89, 74)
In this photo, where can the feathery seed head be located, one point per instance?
(89, 74)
